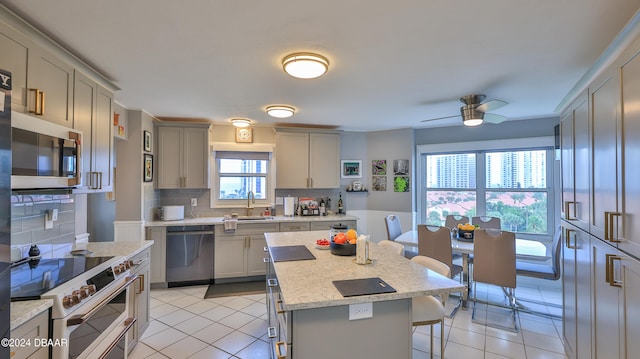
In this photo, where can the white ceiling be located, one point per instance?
(393, 63)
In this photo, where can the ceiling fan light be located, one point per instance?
(305, 65)
(471, 116)
(473, 122)
(240, 122)
(280, 111)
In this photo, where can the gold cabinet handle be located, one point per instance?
(279, 346)
(279, 309)
(612, 238)
(99, 180)
(610, 270)
(38, 101)
(567, 212)
(311, 182)
(568, 239)
(141, 282)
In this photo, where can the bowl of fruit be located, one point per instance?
(322, 243)
(465, 231)
(343, 243)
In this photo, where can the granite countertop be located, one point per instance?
(23, 311)
(276, 219)
(308, 283)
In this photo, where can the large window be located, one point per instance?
(237, 174)
(512, 184)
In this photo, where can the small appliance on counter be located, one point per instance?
(172, 213)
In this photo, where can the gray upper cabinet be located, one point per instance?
(307, 160)
(42, 82)
(183, 157)
(92, 112)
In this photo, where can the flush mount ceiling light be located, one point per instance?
(305, 65)
(240, 122)
(471, 116)
(280, 111)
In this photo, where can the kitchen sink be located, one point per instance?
(252, 218)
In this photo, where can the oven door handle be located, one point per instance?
(79, 319)
(128, 324)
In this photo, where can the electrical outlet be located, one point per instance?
(54, 215)
(360, 311)
(48, 221)
(194, 202)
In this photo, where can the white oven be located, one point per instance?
(99, 328)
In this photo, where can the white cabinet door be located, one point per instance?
(14, 57)
(629, 332)
(605, 120)
(53, 80)
(92, 113)
(169, 156)
(582, 160)
(606, 313)
(292, 160)
(195, 162)
(630, 241)
(230, 257)
(256, 255)
(324, 160)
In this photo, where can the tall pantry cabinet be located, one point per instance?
(606, 223)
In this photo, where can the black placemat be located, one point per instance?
(291, 253)
(365, 286)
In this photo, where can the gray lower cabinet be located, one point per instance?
(158, 255)
(35, 328)
(140, 296)
(241, 254)
(576, 301)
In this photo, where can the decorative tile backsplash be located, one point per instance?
(29, 210)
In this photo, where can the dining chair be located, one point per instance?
(486, 222)
(452, 220)
(429, 310)
(495, 264)
(435, 242)
(392, 246)
(392, 223)
(549, 271)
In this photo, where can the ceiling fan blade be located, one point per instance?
(439, 118)
(491, 105)
(493, 118)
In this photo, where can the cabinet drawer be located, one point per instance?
(294, 227)
(35, 328)
(140, 260)
(319, 226)
(250, 228)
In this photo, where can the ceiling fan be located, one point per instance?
(474, 112)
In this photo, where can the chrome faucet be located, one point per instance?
(251, 198)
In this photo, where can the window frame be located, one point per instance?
(215, 178)
(480, 148)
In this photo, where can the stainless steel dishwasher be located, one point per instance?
(189, 255)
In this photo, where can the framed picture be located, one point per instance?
(379, 183)
(379, 167)
(147, 141)
(400, 167)
(401, 184)
(351, 168)
(147, 168)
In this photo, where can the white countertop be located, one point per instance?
(276, 219)
(23, 311)
(308, 283)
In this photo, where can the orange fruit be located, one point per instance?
(352, 235)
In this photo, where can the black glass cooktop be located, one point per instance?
(29, 280)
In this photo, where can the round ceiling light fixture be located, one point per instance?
(240, 122)
(305, 65)
(280, 111)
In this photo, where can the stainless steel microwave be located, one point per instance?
(44, 154)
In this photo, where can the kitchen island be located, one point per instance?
(309, 317)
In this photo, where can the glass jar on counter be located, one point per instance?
(338, 228)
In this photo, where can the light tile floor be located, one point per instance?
(184, 325)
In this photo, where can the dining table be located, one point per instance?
(525, 249)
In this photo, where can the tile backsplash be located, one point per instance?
(28, 213)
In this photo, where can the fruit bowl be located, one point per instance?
(342, 249)
(465, 234)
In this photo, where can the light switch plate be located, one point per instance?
(194, 202)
